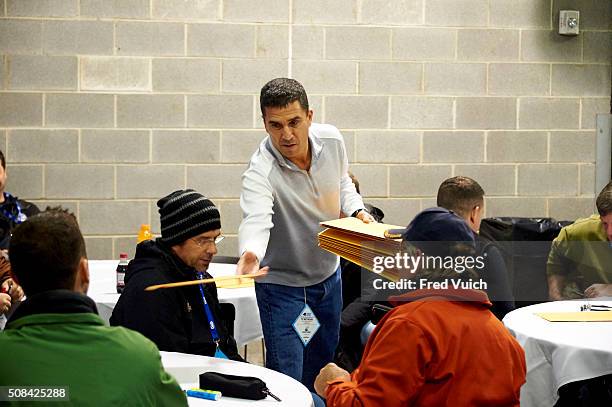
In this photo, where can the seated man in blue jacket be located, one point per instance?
(55, 337)
(178, 319)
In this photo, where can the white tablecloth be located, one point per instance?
(247, 327)
(187, 368)
(558, 353)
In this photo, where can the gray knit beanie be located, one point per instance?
(184, 214)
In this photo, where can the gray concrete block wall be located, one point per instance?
(456, 147)
(21, 109)
(520, 13)
(178, 9)
(78, 110)
(77, 37)
(114, 146)
(517, 146)
(327, 76)
(455, 79)
(186, 75)
(424, 44)
(39, 72)
(144, 111)
(550, 113)
(325, 12)
(46, 8)
(43, 146)
(3, 72)
(20, 36)
(115, 8)
(185, 146)
(587, 179)
(26, 180)
(107, 105)
(112, 73)
(370, 177)
(390, 78)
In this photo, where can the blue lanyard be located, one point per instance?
(211, 320)
(17, 219)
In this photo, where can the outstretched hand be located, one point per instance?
(249, 264)
(598, 290)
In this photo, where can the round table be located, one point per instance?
(558, 353)
(187, 368)
(247, 326)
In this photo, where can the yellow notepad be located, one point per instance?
(237, 283)
(584, 316)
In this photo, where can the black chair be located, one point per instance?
(593, 392)
(228, 316)
(525, 244)
(378, 312)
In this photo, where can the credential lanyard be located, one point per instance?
(211, 320)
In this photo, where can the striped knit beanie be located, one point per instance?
(184, 214)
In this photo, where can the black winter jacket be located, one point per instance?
(173, 318)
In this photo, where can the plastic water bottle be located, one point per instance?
(145, 233)
(121, 269)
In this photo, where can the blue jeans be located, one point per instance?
(279, 306)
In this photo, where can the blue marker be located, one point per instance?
(204, 394)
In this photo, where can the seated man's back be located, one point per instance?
(56, 339)
(441, 345)
(473, 359)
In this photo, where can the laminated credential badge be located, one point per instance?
(306, 324)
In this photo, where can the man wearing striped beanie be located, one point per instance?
(178, 319)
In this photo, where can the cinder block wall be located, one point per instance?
(107, 105)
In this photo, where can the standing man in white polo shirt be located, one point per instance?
(297, 178)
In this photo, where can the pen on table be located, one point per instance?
(595, 307)
(600, 307)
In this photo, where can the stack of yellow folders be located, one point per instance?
(360, 242)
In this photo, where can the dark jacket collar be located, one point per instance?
(55, 302)
(8, 198)
(147, 253)
(476, 297)
(9, 204)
